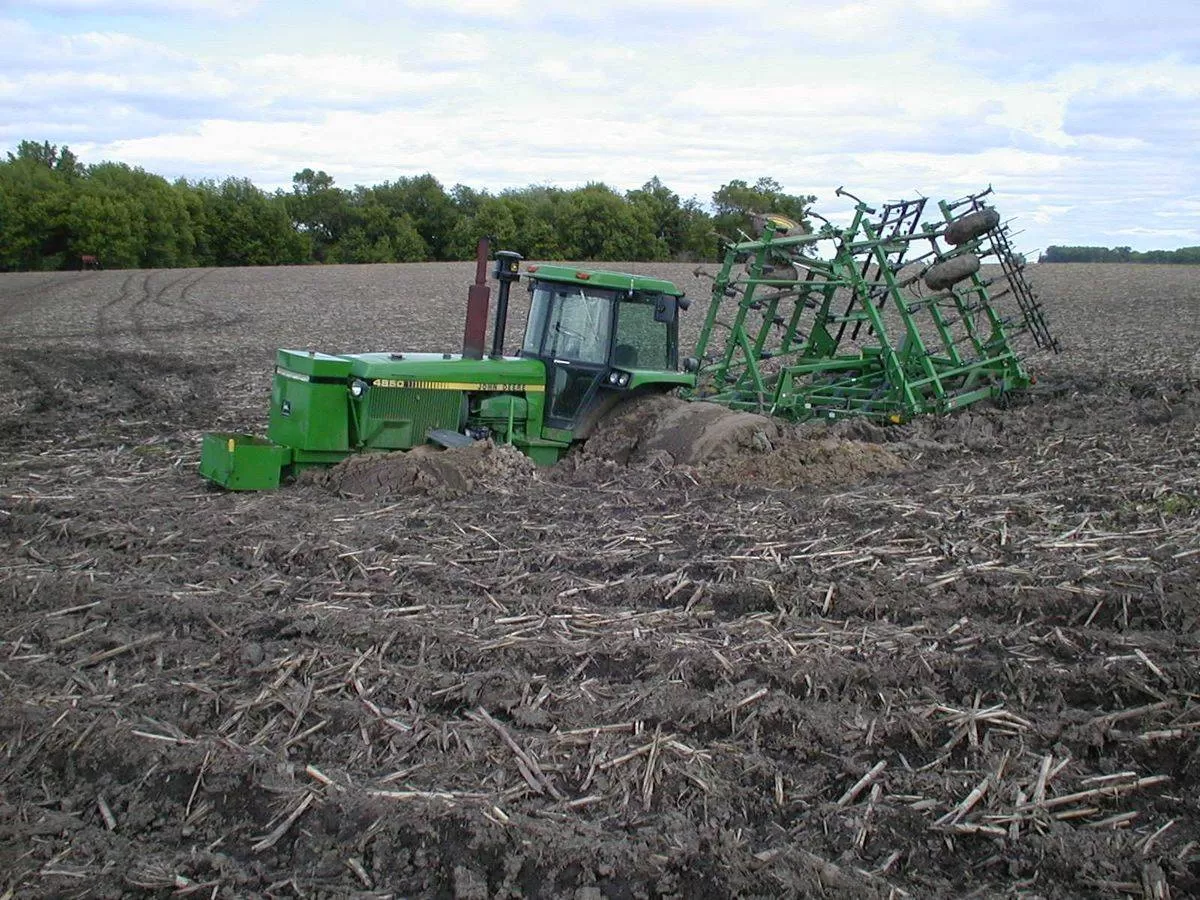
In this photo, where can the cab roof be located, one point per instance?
(622, 281)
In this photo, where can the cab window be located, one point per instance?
(568, 321)
(641, 343)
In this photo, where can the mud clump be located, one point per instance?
(429, 471)
(797, 461)
(677, 432)
(722, 446)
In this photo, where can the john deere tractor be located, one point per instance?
(593, 338)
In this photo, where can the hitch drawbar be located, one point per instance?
(243, 462)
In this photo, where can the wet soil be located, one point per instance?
(955, 658)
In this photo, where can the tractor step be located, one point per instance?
(451, 440)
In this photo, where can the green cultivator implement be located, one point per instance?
(888, 318)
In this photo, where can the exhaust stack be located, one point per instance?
(478, 295)
(508, 265)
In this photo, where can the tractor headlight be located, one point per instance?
(623, 379)
(614, 377)
(358, 387)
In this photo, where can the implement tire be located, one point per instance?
(972, 225)
(950, 272)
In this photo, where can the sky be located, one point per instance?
(1083, 115)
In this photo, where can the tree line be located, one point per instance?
(1056, 254)
(57, 213)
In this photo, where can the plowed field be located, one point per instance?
(975, 672)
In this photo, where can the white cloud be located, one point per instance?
(889, 97)
(969, 10)
(1044, 214)
(492, 9)
(451, 49)
(222, 8)
(331, 79)
(1159, 233)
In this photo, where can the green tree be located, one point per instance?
(246, 227)
(34, 203)
(53, 209)
(669, 220)
(736, 201)
(377, 234)
(467, 199)
(535, 212)
(596, 223)
(1056, 253)
(49, 155)
(318, 209)
(158, 219)
(108, 224)
(194, 199)
(431, 210)
(492, 218)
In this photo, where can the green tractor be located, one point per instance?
(593, 338)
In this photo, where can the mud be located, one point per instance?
(480, 468)
(676, 432)
(710, 444)
(962, 661)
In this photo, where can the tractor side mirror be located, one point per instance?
(664, 309)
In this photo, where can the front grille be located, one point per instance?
(424, 409)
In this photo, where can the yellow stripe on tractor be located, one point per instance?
(456, 386)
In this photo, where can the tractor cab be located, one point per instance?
(601, 336)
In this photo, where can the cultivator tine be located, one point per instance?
(899, 220)
(1030, 305)
(939, 345)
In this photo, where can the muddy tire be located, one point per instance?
(949, 273)
(971, 226)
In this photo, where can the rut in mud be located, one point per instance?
(710, 444)
(699, 442)
(957, 658)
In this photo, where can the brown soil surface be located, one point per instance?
(957, 658)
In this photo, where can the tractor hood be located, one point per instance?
(438, 371)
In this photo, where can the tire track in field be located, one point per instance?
(137, 313)
(206, 317)
(104, 333)
(126, 313)
(185, 293)
(196, 315)
(13, 303)
(159, 298)
(213, 320)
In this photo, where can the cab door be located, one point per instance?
(576, 342)
(570, 388)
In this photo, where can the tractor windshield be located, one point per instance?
(569, 321)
